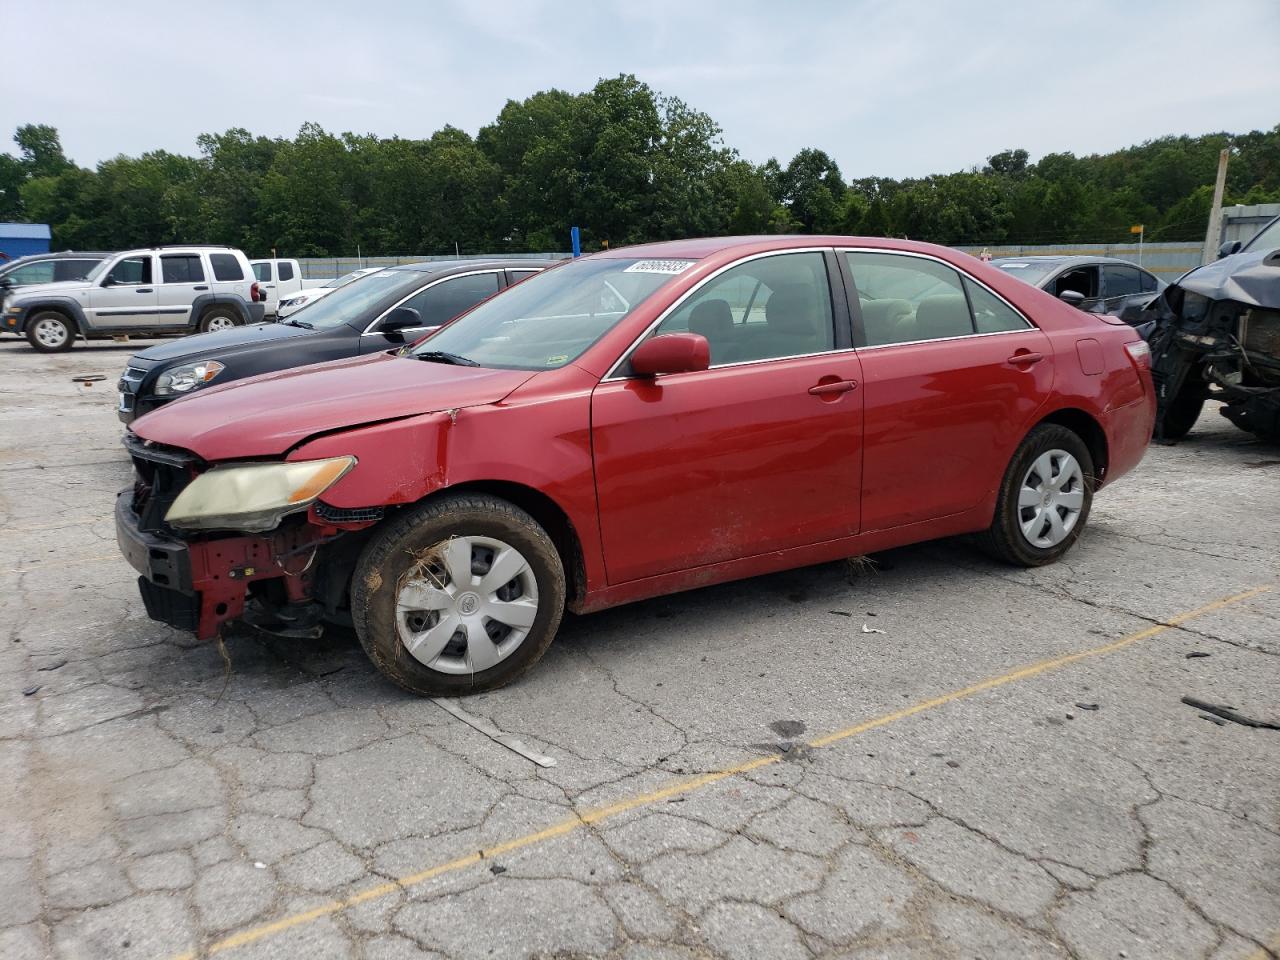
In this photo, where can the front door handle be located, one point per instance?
(836, 387)
(1025, 358)
(144, 290)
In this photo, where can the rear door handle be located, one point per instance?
(144, 290)
(203, 286)
(1025, 358)
(839, 386)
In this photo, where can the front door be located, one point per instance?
(951, 376)
(126, 296)
(759, 453)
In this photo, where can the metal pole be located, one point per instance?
(1141, 235)
(1213, 236)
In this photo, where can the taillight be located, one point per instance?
(256, 293)
(1139, 352)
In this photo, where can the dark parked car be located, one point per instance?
(382, 310)
(633, 423)
(1216, 336)
(1094, 284)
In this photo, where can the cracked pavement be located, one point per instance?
(158, 803)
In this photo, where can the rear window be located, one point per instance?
(225, 266)
(286, 270)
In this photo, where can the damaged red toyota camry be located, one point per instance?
(630, 424)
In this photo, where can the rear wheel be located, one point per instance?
(463, 594)
(1044, 498)
(217, 319)
(50, 332)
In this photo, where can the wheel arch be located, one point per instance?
(67, 308)
(1087, 428)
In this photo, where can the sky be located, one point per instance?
(892, 88)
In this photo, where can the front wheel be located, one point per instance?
(461, 595)
(50, 332)
(1044, 498)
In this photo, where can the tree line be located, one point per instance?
(623, 161)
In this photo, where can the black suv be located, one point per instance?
(379, 311)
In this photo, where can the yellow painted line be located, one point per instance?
(254, 934)
(71, 562)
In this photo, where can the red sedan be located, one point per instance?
(630, 424)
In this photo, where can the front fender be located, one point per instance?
(65, 305)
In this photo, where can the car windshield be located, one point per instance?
(353, 300)
(1029, 271)
(1269, 236)
(343, 280)
(549, 319)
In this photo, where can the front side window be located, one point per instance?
(355, 302)
(181, 268)
(131, 271)
(1081, 280)
(1121, 281)
(286, 270)
(262, 272)
(443, 301)
(905, 299)
(764, 309)
(39, 272)
(72, 269)
(549, 320)
(225, 266)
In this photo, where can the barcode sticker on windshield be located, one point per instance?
(660, 266)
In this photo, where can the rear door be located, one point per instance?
(951, 375)
(126, 296)
(761, 452)
(264, 273)
(182, 279)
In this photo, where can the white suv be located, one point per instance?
(141, 292)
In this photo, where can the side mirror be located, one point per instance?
(1228, 248)
(401, 318)
(108, 281)
(671, 353)
(1072, 298)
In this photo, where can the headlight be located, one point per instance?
(253, 497)
(187, 377)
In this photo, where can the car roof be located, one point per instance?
(56, 255)
(1065, 260)
(460, 266)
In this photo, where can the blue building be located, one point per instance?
(20, 239)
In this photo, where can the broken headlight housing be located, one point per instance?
(187, 377)
(253, 497)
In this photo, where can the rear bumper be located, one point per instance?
(201, 585)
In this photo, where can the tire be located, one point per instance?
(218, 318)
(50, 332)
(1184, 410)
(403, 593)
(1006, 540)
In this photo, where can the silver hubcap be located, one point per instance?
(1051, 498)
(221, 323)
(51, 333)
(468, 604)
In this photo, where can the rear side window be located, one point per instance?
(225, 266)
(1149, 283)
(1120, 281)
(518, 275)
(444, 301)
(907, 299)
(73, 269)
(990, 313)
(181, 268)
(286, 270)
(262, 271)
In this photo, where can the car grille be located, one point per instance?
(160, 474)
(130, 379)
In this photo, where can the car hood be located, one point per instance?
(221, 342)
(31, 291)
(1252, 278)
(268, 415)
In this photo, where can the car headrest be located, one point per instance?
(884, 321)
(711, 319)
(946, 315)
(790, 310)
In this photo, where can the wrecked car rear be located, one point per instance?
(1216, 335)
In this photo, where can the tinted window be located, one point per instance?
(990, 313)
(131, 270)
(444, 301)
(181, 268)
(1121, 281)
(285, 269)
(1149, 283)
(72, 269)
(261, 272)
(1083, 280)
(905, 299)
(763, 309)
(518, 275)
(225, 266)
(39, 272)
(358, 303)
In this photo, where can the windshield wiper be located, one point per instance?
(300, 323)
(440, 356)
